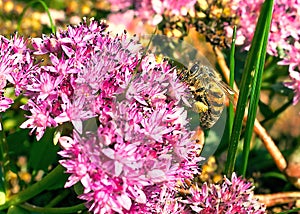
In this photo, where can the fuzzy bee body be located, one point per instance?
(208, 92)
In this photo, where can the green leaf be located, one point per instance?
(281, 89)
(277, 175)
(78, 187)
(265, 109)
(17, 210)
(78, 208)
(296, 210)
(257, 80)
(18, 143)
(43, 153)
(56, 175)
(250, 85)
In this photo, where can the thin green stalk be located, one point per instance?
(46, 9)
(290, 211)
(249, 126)
(145, 51)
(231, 82)
(33, 190)
(71, 209)
(58, 198)
(143, 54)
(252, 66)
(4, 185)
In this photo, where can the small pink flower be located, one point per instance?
(76, 112)
(45, 45)
(5, 103)
(154, 10)
(16, 61)
(39, 119)
(44, 84)
(160, 199)
(295, 85)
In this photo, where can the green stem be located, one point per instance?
(48, 181)
(4, 159)
(46, 9)
(58, 198)
(277, 112)
(290, 211)
(231, 81)
(72, 209)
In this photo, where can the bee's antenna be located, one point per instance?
(178, 75)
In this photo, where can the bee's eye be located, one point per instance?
(194, 69)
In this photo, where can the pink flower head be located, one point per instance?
(153, 10)
(160, 199)
(232, 196)
(15, 61)
(142, 141)
(86, 67)
(284, 33)
(285, 27)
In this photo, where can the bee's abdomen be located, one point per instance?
(215, 99)
(208, 97)
(210, 117)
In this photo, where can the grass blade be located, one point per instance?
(4, 158)
(231, 82)
(253, 103)
(253, 64)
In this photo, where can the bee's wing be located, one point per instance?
(222, 85)
(227, 90)
(185, 55)
(175, 49)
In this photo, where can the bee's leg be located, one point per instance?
(200, 107)
(201, 103)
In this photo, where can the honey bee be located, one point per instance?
(209, 93)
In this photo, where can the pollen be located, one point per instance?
(200, 107)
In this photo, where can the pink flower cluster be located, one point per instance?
(131, 144)
(284, 34)
(285, 27)
(15, 64)
(154, 10)
(161, 199)
(132, 160)
(58, 91)
(232, 196)
(142, 141)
